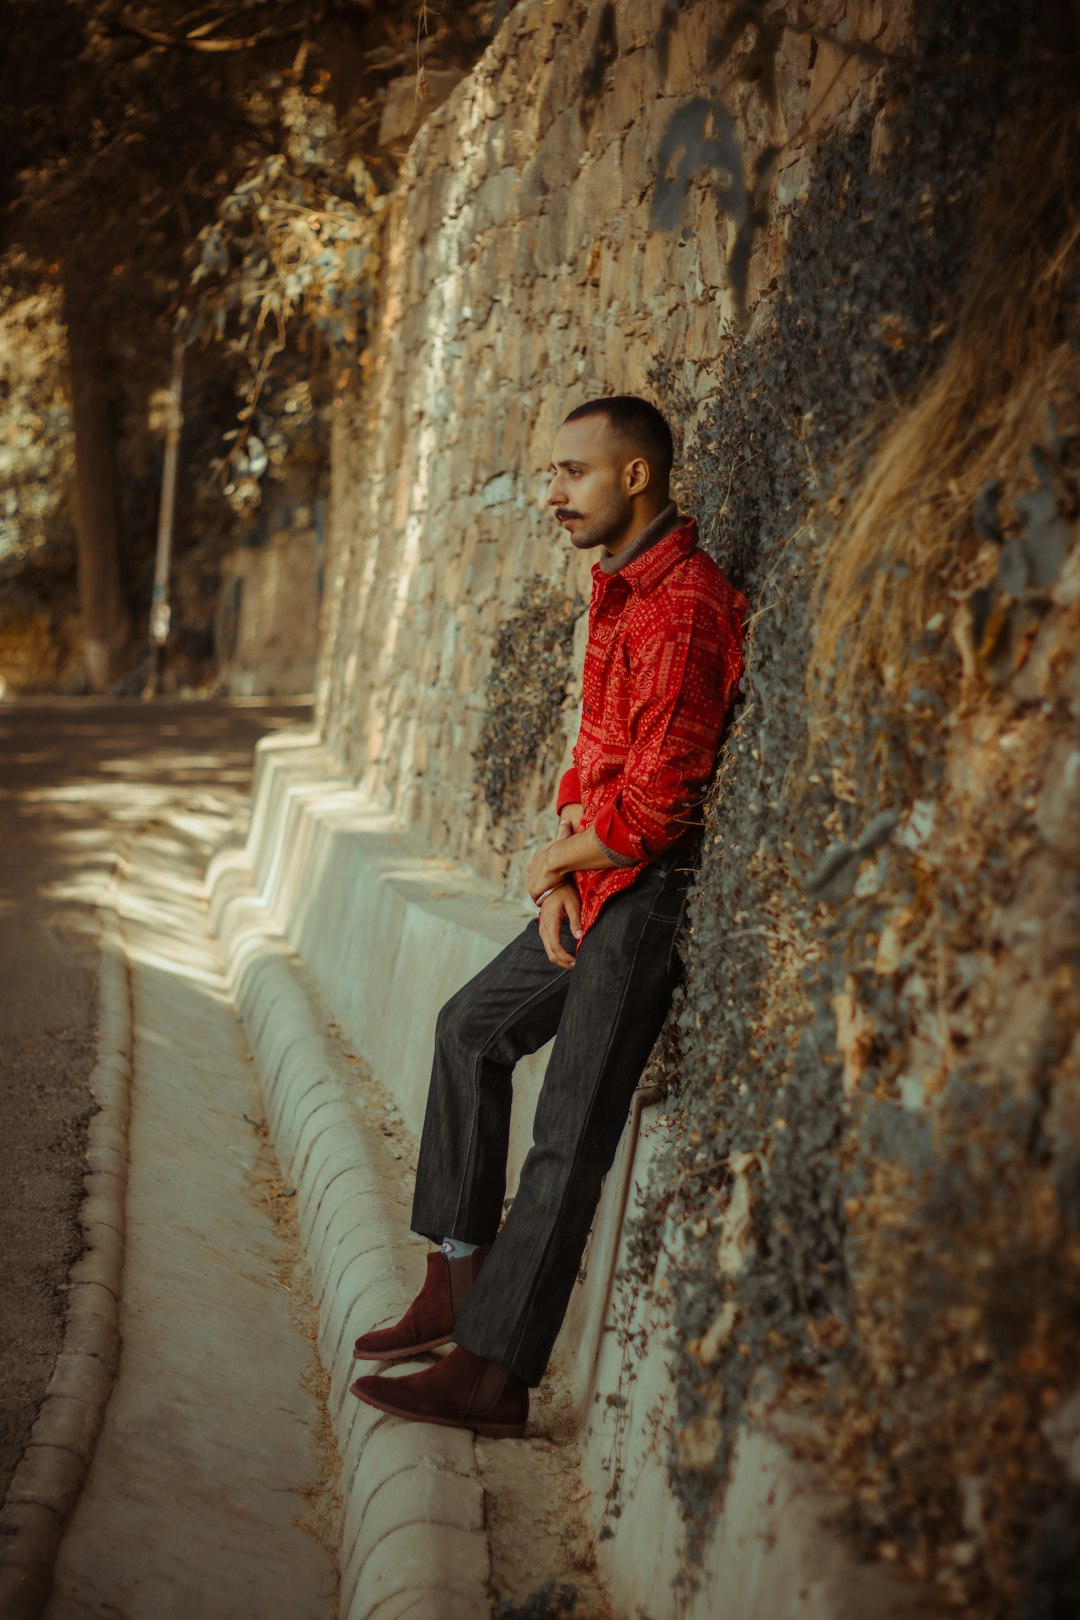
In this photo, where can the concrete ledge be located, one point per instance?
(387, 930)
(413, 1540)
(51, 1473)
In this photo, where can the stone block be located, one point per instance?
(88, 1299)
(395, 1567)
(604, 188)
(688, 72)
(420, 1495)
(561, 151)
(703, 332)
(612, 272)
(106, 1160)
(659, 268)
(496, 200)
(50, 1476)
(834, 83)
(409, 103)
(636, 24)
(67, 1423)
(319, 1107)
(22, 1593)
(110, 1137)
(106, 1209)
(345, 1159)
(89, 1334)
(102, 1262)
(710, 241)
(636, 80)
(29, 1538)
(614, 358)
(639, 149)
(1057, 814)
(351, 1234)
(551, 244)
(80, 1377)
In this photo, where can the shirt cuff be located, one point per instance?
(613, 855)
(569, 789)
(616, 839)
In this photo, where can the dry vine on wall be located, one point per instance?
(876, 1045)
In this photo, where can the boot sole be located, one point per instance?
(489, 1431)
(403, 1354)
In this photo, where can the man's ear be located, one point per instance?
(638, 475)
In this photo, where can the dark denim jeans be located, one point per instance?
(605, 1014)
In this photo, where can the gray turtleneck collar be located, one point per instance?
(660, 527)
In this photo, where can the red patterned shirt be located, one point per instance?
(662, 665)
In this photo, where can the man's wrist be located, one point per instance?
(578, 854)
(558, 872)
(542, 896)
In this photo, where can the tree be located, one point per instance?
(127, 125)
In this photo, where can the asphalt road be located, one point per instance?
(77, 779)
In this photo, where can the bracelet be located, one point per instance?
(542, 897)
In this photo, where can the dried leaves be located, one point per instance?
(889, 1039)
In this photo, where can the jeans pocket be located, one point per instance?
(669, 901)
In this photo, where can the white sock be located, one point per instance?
(455, 1249)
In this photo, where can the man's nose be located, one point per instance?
(555, 495)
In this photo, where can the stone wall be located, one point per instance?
(864, 1207)
(523, 276)
(267, 624)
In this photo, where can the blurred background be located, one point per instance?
(191, 200)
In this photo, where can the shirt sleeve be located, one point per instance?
(683, 679)
(569, 789)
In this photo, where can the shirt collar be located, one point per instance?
(661, 525)
(641, 566)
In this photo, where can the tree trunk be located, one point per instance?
(105, 616)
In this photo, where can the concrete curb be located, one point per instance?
(47, 1482)
(414, 1539)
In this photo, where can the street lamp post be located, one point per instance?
(160, 609)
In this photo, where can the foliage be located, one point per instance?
(298, 235)
(293, 246)
(35, 429)
(133, 130)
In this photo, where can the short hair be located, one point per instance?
(636, 422)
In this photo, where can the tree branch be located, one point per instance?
(267, 36)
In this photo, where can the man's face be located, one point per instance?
(589, 489)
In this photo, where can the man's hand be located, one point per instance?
(545, 869)
(571, 852)
(562, 905)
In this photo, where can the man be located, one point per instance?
(596, 967)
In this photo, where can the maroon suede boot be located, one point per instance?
(429, 1320)
(462, 1392)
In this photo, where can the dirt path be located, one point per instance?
(77, 779)
(211, 1450)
